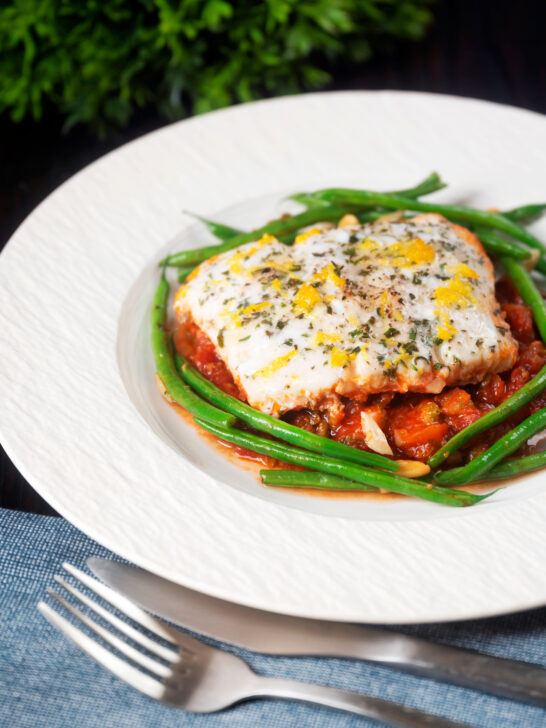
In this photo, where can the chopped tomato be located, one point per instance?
(506, 292)
(492, 391)
(351, 425)
(518, 377)
(417, 429)
(533, 358)
(420, 442)
(410, 436)
(453, 401)
(458, 409)
(418, 411)
(520, 319)
(463, 419)
(428, 412)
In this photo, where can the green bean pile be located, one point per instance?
(329, 464)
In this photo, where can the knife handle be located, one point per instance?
(496, 675)
(505, 678)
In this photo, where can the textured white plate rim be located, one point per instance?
(109, 540)
(203, 587)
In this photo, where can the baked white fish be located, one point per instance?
(388, 306)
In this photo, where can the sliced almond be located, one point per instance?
(530, 263)
(412, 468)
(374, 435)
(390, 216)
(348, 220)
(163, 390)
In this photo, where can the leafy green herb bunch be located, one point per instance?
(97, 61)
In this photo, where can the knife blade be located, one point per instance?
(279, 634)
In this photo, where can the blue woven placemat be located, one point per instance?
(46, 681)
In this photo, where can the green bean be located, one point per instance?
(218, 229)
(369, 216)
(478, 217)
(496, 245)
(508, 468)
(523, 215)
(308, 479)
(333, 466)
(528, 291)
(432, 183)
(166, 371)
(277, 227)
(511, 405)
(225, 232)
(309, 200)
(272, 425)
(526, 213)
(373, 215)
(507, 444)
(183, 273)
(363, 217)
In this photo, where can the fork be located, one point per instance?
(192, 675)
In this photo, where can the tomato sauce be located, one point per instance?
(415, 425)
(195, 345)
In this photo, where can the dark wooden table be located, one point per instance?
(490, 50)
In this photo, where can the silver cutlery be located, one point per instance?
(191, 675)
(279, 634)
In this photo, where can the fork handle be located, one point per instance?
(392, 714)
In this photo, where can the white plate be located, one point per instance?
(75, 285)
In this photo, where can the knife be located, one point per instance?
(279, 634)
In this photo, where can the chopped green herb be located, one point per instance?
(390, 332)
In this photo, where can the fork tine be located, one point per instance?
(124, 605)
(166, 653)
(129, 674)
(133, 654)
